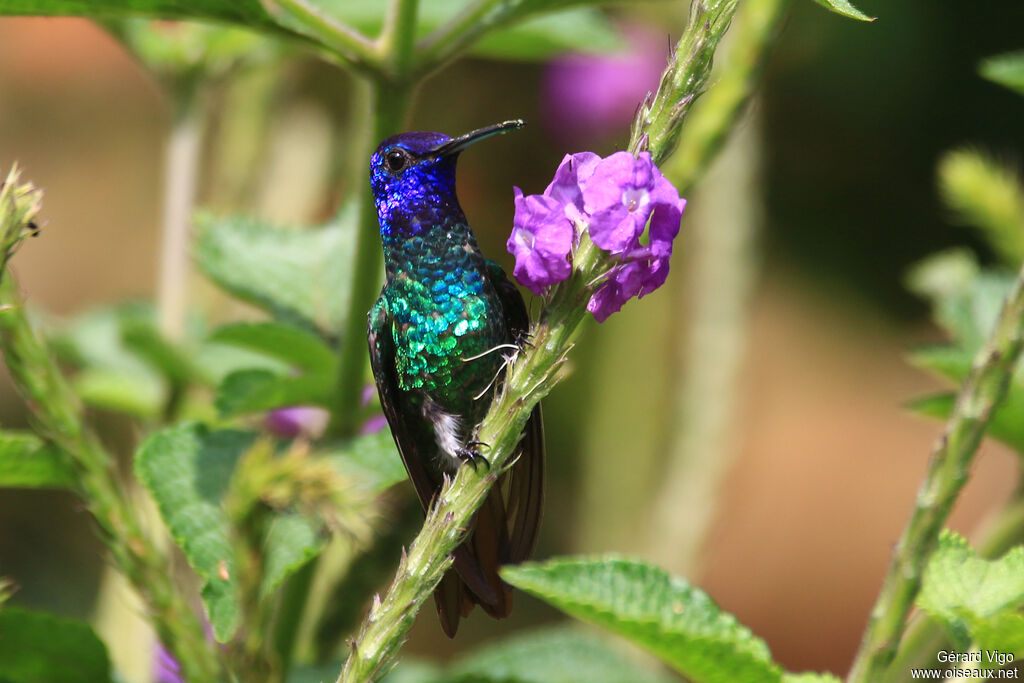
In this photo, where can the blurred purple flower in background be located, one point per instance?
(294, 421)
(165, 668)
(588, 96)
(618, 200)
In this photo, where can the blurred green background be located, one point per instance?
(824, 463)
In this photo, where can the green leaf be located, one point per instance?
(298, 276)
(113, 376)
(27, 462)
(976, 599)
(986, 194)
(371, 461)
(544, 36)
(662, 614)
(965, 301)
(121, 390)
(291, 541)
(245, 12)
(36, 647)
(552, 655)
(257, 390)
(141, 336)
(187, 469)
(845, 8)
(290, 344)
(810, 677)
(1006, 69)
(949, 362)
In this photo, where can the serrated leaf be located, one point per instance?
(552, 655)
(1006, 69)
(972, 596)
(187, 469)
(257, 390)
(291, 541)
(661, 613)
(287, 343)
(27, 462)
(1006, 425)
(845, 8)
(36, 647)
(298, 276)
(371, 461)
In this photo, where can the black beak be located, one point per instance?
(456, 145)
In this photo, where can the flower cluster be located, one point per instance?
(628, 208)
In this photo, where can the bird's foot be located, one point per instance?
(470, 454)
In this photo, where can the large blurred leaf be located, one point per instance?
(256, 390)
(660, 613)
(25, 461)
(371, 461)
(187, 469)
(522, 33)
(1006, 69)
(552, 655)
(293, 345)
(41, 648)
(978, 600)
(299, 276)
(244, 12)
(291, 541)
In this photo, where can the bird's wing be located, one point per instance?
(525, 479)
(410, 431)
(466, 584)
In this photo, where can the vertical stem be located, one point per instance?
(948, 471)
(58, 418)
(700, 445)
(389, 103)
(181, 168)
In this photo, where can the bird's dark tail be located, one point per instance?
(504, 531)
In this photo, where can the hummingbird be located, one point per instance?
(439, 336)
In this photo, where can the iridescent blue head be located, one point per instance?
(413, 178)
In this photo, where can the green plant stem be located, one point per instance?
(398, 39)
(948, 471)
(657, 122)
(715, 117)
(181, 170)
(389, 104)
(530, 378)
(722, 226)
(58, 419)
(925, 636)
(353, 48)
(446, 42)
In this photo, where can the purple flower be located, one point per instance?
(288, 423)
(541, 239)
(165, 667)
(618, 200)
(590, 95)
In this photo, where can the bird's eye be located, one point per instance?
(396, 160)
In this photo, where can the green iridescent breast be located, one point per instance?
(446, 317)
